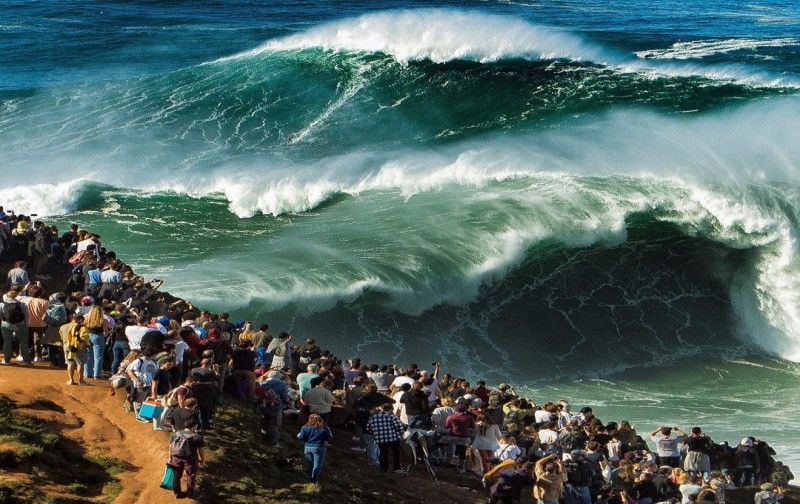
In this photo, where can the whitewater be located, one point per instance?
(563, 196)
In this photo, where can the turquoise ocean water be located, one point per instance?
(596, 200)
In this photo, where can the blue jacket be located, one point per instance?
(280, 389)
(315, 437)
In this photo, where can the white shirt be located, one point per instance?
(180, 347)
(401, 380)
(135, 333)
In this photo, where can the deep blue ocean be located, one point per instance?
(598, 201)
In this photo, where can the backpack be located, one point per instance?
(76, 258)
(219, 350)
(266, 396)
(55, 315)
(171, 399)
(180, 446)
(12, 313)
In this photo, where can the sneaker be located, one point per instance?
(399, 471)
(162, 428)
(37, 359)
(142, 420)
(20, 359)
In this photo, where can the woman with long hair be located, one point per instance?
(487, 436)
(98, 327)
(315, 435)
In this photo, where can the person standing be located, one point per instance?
(185, 455)
(461, 425)
(320, 399)
(315, 434)
(13, 315)
(667, 445)
(34, 318)
(243, 367)
(388, 431)
(550, 479)
(74, 338)
(98, 327)
(272, 414)
(55, 316)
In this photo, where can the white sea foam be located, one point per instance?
(42, 199)
(703, 48)
(440, 35)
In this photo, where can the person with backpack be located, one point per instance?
(75, 337)
(55, 316)
(185, 455)
(13, 315)
(272, 414)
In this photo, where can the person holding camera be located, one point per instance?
(550, 479)
(667, 445)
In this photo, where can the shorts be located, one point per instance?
(78, 358)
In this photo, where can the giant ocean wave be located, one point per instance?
(404, 179)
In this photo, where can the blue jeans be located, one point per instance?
(95, 351)
(577, 495)
(315, 457)
(120, 350)
(21, 332)
(373, 452)
(417, 421)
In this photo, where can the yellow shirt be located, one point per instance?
(74, 336)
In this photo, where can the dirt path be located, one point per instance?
(94, 421)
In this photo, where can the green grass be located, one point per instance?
(38, 455)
